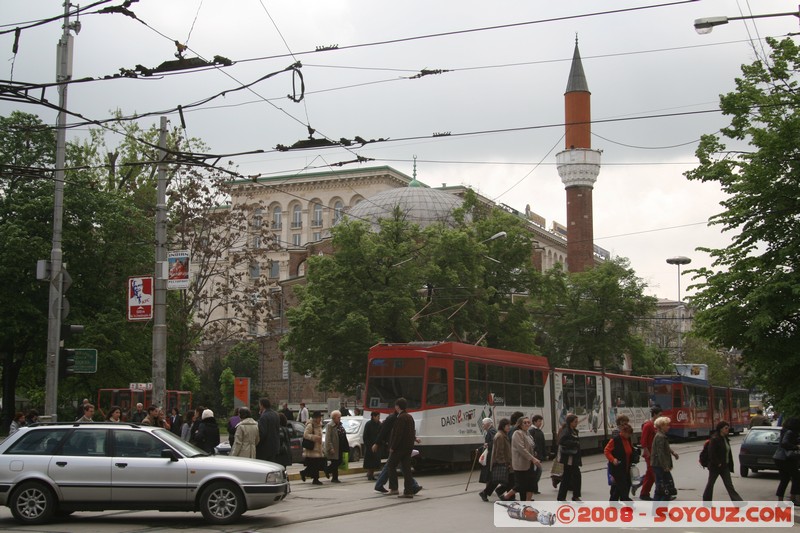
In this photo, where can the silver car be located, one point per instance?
(63, 467)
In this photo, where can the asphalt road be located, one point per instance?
(442, 506)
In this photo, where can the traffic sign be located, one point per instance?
(85, 361)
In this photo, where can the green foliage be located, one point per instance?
(590, 318)
(226, 388)
(750, 297)
(190, 381)
(402, 284)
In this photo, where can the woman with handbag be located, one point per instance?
(787, 457)
(501, 463)
(486, 466)
(661, 460)
(312, 449)
(569, 446)
(336, 445)
(523, 460)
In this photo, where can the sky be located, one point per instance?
(655, 87)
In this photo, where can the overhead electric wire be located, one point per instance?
(32, 24)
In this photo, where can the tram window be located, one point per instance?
(528, 395)
(676, 397)
(577, 396)
(513, 396)
(459, 382)
(617, 390)
(437, 386)
(477, 383)
(393, 378)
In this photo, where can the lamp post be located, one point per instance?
(679, 260)
(706, 25)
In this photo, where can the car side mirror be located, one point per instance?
(168, 453)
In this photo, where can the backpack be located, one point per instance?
(704, 454)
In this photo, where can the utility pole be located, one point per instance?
(160, 289)
(63, 75)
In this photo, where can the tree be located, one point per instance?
(750, 297)
(402, 284)
(589, 318)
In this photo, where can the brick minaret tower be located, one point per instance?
(578, 167)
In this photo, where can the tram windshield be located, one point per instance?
(391, 378)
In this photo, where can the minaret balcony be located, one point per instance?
(578, 167)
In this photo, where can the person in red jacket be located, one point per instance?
(619, 452)
(648, 433)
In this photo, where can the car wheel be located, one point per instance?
(743, 470)
(222, 503)
(32, 503)
(355, 455)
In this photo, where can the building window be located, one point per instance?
(297, 217)
(338, 211)
(274, 270)
(316, 221)
(257, 215)
(252, 329)
(276, 218)
(256, 241)
(296, 239)
(255, 270)
(276, 299)
(317, 236)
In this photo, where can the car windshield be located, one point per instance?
(351, 426)
(183, 447)
(762, 436)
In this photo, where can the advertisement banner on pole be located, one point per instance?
(140, 298)
(241, 392)
(178, 270)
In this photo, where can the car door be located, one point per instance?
(82, 468)
(139, 474)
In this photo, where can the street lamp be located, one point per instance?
(705, 25)
(680, 260)
(498, 235)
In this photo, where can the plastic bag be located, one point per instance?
(345, 464)
(483, 458)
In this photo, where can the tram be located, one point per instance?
(450, 387)
(695, 407)
(126, 400)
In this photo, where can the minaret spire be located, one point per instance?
(578, 166)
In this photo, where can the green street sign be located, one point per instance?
(85, 361)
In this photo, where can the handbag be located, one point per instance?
(636, 477)
(668, 485)
(500, 474)
(308, 444)
(568, 451)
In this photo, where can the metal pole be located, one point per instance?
(63, 74)
(160, 281)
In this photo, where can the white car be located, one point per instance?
(63, 467)
(354, 427)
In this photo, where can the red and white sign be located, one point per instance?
(140, 298)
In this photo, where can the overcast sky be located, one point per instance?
(651, 77)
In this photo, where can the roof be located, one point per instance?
(577, 79)
(421, 205)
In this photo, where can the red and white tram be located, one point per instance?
(451, 387)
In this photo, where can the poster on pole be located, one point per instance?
(140, 298)
(241, 392)
(178, 270)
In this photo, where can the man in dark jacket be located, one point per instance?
(269, 432)
(401, 444)
(720, 463)
(539, 448)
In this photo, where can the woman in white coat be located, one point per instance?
(246, 437)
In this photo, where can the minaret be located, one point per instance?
(578, 166)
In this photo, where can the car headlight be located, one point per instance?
(276, 478)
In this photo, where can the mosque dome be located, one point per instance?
(421, 205)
